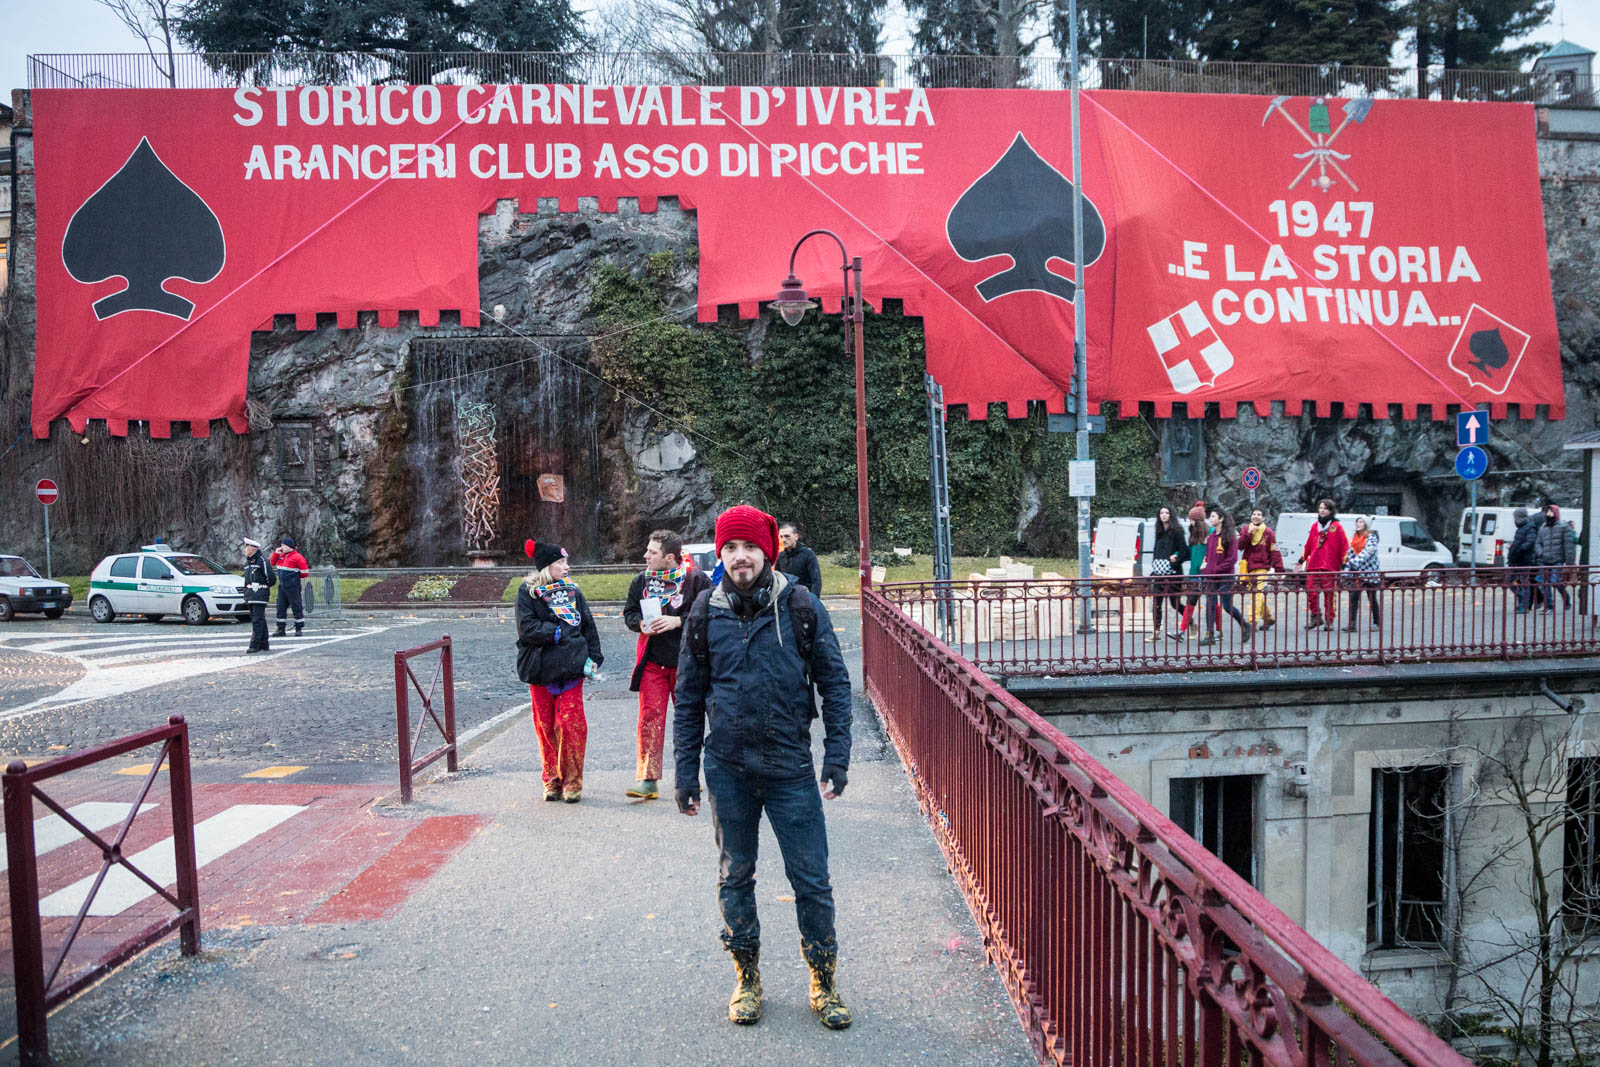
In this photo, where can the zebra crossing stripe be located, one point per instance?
(52, 831)
(213, 838)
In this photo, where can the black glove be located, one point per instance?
(834, 773)
(688, 797)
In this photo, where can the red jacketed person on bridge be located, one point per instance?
(1322, 560)
(657, 601)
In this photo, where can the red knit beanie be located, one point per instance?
(745, 523)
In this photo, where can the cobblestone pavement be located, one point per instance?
(329, 708)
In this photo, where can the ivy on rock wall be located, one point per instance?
(774, 410)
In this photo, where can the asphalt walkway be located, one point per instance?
(572, 934)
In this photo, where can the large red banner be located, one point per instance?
(1239, 249)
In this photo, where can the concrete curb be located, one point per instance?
(466, 744)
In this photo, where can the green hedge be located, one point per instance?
(779, 402)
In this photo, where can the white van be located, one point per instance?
(1122, 547)
(1403, 543)
(1496, 527)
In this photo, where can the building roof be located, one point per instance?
(1583, 442)
(1564, 48)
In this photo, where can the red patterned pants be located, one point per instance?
(1325, 584)
(563, 734)
(655, 691)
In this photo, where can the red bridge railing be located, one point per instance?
(405, 680)
(1020, 627)
(1120, 939)
(36, 984)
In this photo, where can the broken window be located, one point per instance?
(1220, 813)
(1580, 889)
(1407, 856)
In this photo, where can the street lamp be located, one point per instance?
(793, 303)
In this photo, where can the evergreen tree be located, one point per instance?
(1473, 34)
(959, 29)
(1347, 32)
(323, 35)
(1129, 29)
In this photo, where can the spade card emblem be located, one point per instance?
(143, 225)
(1487, 350)
(1022, 208)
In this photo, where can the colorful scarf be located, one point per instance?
(675, 576)
(562, 596)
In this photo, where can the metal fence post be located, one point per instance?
(27, 944)
(447, 672)
(182, 793)
(403, 722)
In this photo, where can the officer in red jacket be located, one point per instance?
(1322, 560)
(292, 570)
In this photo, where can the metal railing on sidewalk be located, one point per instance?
(404, 681)
(1033, 627)
(1120, 939)
(36, 983)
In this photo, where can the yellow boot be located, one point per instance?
(825, 1000)
(744, 1007)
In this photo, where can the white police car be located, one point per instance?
(158, 580)
(21, 589)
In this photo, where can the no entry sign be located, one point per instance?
(46, 491)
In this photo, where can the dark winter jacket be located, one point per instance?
(1556, 544)
(1169, 543)
(754, 692)
(1523, 551)
(259, 576)
(676, 600)
(800, 563)
(550, 651)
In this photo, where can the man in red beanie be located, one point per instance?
(753, 648)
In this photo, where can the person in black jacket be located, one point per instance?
(1521, 554)
(753, 648)
(657, 600)
(1167, 554)
(259, 578)
(557, 647)
(798, 561)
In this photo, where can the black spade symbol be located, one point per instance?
(1489, 351)
(1022, 207)
(143, 225)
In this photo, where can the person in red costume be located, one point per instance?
(1322, 560)
(292, 570)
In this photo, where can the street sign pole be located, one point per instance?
(1472, 556)
(1472, 463)
(47, 571)
(1080, 363)
(47, 493)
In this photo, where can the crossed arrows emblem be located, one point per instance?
(1321, 153)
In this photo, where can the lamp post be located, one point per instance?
(792, 303)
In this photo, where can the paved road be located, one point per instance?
(549, 933)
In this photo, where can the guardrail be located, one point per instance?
(37, 991)
(130, 70)
(1028, 627)
(1120, 939)
(405, 680)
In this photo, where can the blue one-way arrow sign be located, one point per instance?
(1472, 428)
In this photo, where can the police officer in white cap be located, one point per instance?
(259, 577)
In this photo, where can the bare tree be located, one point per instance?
(152, 22)
(1521, 889)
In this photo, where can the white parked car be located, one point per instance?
(701, 556)
(1123, 547)
(158, 580)
(21, 589)
(1403, 543)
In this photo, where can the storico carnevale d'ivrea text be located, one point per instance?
(731, 117)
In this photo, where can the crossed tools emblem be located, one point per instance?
(1322, 154)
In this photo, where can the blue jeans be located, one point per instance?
(1552, 576)
(794, 810)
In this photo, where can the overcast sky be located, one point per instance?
(31, 27)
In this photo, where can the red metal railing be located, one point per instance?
(37, 991)
(404, 681)
(1120, 939)
(1016, 627)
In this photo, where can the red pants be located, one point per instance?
(655, 691)
(1324, 584)
(563, 734)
